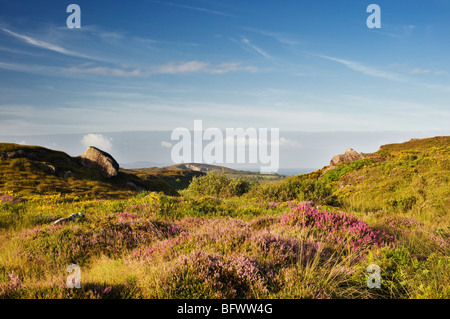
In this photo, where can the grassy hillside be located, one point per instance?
(407, 181)
(411, 177)
(229, 238)
(37, 170)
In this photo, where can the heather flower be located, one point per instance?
(339, 226)
(127, 215)
(14, 282)
(207, 275)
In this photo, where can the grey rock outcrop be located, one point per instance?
(350, 155)
(71, 218)
(100, 160)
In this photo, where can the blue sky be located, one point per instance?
(156, 65)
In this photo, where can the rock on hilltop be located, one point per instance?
(100, 160)
(350, 155)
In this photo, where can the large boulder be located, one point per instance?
(350, 155)
(100, 160)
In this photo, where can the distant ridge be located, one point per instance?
(204, 169)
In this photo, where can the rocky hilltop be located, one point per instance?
(350, 155)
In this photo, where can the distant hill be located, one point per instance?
(175, 177)
(190, 170)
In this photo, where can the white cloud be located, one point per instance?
(256, 48)
(185, 67)
(365, 69)
(45, 45)
(201, 67)
(126, 72)
(168, 68)
(231, 67)
(194, 8)
(98, 140)
(98, 70)
(166, 144)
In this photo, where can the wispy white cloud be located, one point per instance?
(184, 67)
(280, 37)
(82, 69)
(45, 45)
(107, 71)
(365, 69)
(194, 8)
(201, 67)
(132, 72)
(255, 48)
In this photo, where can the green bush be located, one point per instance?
(339, 171)
(298, 188)
(218, 185)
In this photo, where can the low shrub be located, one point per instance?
(218, 185)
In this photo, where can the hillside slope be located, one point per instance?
(31, 170)
(405, 177)
(398, 177)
